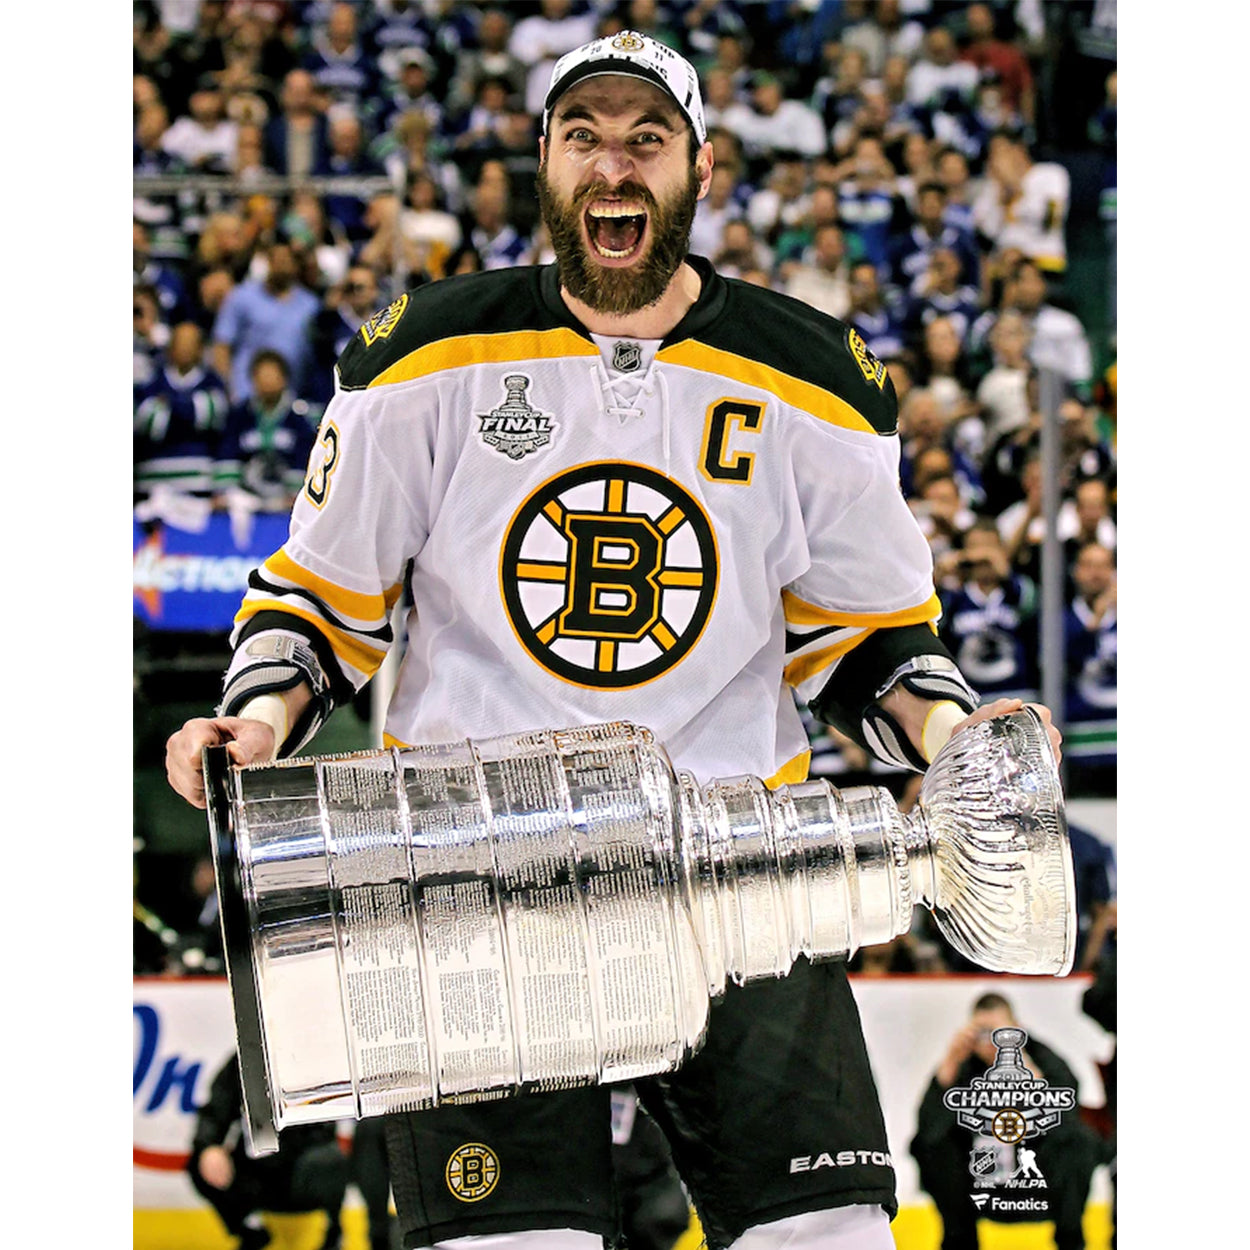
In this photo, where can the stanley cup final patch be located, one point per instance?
(516, 427)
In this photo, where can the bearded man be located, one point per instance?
(618, 487)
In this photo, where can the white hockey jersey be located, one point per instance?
(675, 534)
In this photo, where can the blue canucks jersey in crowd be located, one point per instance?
(178, 423)
(1090, 699)
(993, 636)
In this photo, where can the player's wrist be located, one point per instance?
(939, 723)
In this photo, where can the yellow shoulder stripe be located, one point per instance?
(821, 403)
(482, 349)
(799, 612)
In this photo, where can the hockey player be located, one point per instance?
(618, 486)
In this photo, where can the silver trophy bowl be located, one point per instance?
(473, 920)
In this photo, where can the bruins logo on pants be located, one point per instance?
(472, 1171)
(608, 573)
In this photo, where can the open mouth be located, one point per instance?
(616, 231)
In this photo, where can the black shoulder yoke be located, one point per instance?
(495, 302)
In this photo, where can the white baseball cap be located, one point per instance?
(636, 56)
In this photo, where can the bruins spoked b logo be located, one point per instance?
(472, 1171)
(608, 573)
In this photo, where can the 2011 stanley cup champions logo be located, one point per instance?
(1006, 1108)
(515, 427)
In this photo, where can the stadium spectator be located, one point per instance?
(1002, 392)
(164, 279)
(942, 514)
(941, 293)
(911, 252)
(308, 1172)
(740, 251)
(490, 58)
(347, 156)
(951, 169)
(771, 123)
(267, 440)
(1066, 1154)
(296, 139)
(868, 202)
(395, 27)
(1021, 524)
(274, 312)
(1057, 340)
(720, 205)
(412, 91)
(539, 40)
(879, 322)
(194, 52)
(344, 70)
(821, 210)
(1086, 518)
(1004, 60)
(151, 334)
(836, 95)
(495, 239)
(425, 223)
(204, 139)
(880, 29)
(719, 95)
(783, 202)
(938, 79)
(325, 249)
(1082, 452)
(1091, 639)
(943, 371)
(1023, 204)
(179, 415)
(925, 425)
(821, 276)
(989, 618)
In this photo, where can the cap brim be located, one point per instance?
(604, 66)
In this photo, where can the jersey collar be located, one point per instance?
(702, 313)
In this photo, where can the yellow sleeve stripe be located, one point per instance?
(803, 667)
(350, 650)
(799, 612)
(484, 349)
(791, 772)
(350, 603)
(790, 390)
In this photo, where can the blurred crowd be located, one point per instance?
(895, 163)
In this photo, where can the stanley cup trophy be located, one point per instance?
(467, 921)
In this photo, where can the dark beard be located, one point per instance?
(619, 291)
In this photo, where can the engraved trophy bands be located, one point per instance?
(468, 920)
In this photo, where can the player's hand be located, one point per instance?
(216, 1167)
(1004, 707)
(247, 741)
